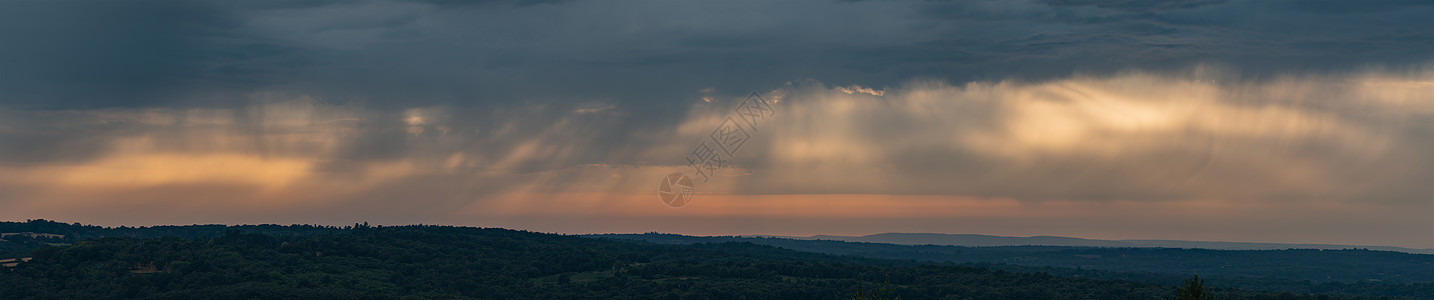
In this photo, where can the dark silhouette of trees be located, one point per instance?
(386, 262)
(1194, 289)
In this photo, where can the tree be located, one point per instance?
(882, 292)
(1194, 289)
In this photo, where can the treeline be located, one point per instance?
(13, 246)
(423, 262)
(77, 231)
(1351, 272)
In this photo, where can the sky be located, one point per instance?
(1259, 121)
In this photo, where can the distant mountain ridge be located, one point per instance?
(981, 240)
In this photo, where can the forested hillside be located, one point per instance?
(1354, 272)
(365, 262)
(19, 244)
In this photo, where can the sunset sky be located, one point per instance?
(1259, 121)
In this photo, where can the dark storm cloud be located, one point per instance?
(85, 53)
(646, 60)
(63, 54)
(82, 54)
(1036, 40)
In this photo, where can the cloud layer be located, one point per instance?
(1307, 122)
(1329, 147)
